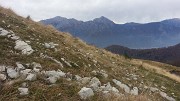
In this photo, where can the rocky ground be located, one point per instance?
(40, 63)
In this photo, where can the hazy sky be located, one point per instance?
(119, 11)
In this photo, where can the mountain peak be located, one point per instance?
(174, 22)
(103, 19)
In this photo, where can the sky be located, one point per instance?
(119, 11)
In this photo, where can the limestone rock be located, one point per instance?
(3, 32)
(78, 78)
(2, 77)
(31, 77)
(50, 45)
(20, 66)
(23, 91)
(12, 73)
(121, 85)
(164, 95)
(2, 68)
(95, 83)
(36, 66)
(25, 72)
(85, 93)
(85, 80)
(24, 47)
(134, 91)
(53, 76)
(153, 89)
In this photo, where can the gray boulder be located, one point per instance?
(85, 93)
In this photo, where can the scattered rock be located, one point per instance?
(109, 88)
(36, 67)
(24, 47)
(121, 85)
(85, 93)
(3, 32)
(25, 72)
(12, 73)
(78, 78)
(85, 80)
(53, 76)
(31, 77)
(23, 91)
(50, 45)
(24, 85)
(164, 95)
(2, 68)
(101, 72)
(134, 91)
(51, 58)
(163, 87)
(95, 83)
(67, 63)
(52, 80)
(19, 66)
(2, 77)
(153, 89)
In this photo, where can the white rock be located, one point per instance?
(24, 47)
(36, 67)
(14, 37)
(3, 32)
(78, 78)
(54, 73)
(153, 89)
(134, 91)
(95, 83)
(109, 88)
(2, 68)
(121, 85)
(67, 63)
(85, 80)
(105, 75)
(12, 73)
(23, 91)
(163, 87)
(115, 90)
(26, 71)
(52, 79)
(85, 93)
(2, 77)
(31, 77)
(164, 95)
(53, 76)
(20, 66)
(50, 45)
(24, 85)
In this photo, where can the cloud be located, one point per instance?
(120, 11)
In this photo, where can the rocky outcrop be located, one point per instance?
(23, 91)
(23, 47)
(85, 93)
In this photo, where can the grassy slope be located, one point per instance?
(74, 50)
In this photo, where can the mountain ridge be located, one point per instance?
(132, 35)
(168, 55)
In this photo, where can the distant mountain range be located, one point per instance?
(170, 55)
(103, 32)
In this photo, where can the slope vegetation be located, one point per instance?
(38, 62)
(169, 55)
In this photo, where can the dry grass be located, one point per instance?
(157, 69)
(73, 50)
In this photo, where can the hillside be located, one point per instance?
(103, 32)
(169, 55)
(38, 62)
